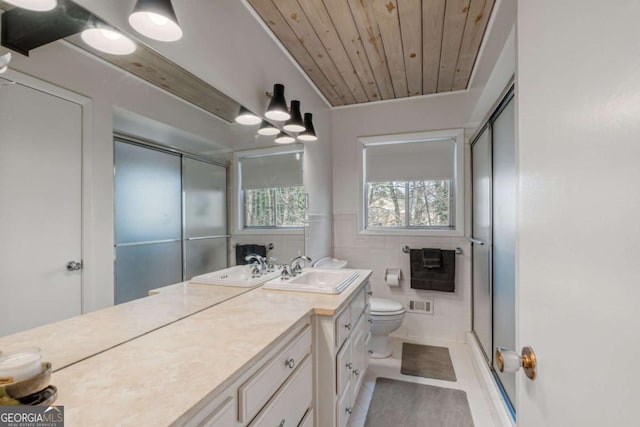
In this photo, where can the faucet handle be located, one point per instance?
(270, 266)
(286, 272)
(255, 270)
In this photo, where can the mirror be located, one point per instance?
(60, 109)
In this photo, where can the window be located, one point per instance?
(413, 183)
(271, 190)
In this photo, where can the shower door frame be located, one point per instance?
(504, 99)
(140, 142)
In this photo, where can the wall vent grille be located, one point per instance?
(420, 306)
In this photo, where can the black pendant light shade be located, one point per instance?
(246, 117)
(156, 19)
(309, 133)
(278, 105)
(268, 129)
(295, 123)
(283, 138)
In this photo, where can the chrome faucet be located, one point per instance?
(295, 264)
(261, 262)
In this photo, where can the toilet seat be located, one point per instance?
(385, 307)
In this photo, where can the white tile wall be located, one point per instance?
(451, 311)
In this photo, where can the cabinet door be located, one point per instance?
(358, 355)
(344, 367)
(343, 326)
(344, 407)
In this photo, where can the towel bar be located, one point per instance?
(406, 250)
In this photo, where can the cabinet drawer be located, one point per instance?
(358, 304)
(343, 409)
(344, 366)
(254, 393)
(288, 406)
(343, 326)
(308, 419)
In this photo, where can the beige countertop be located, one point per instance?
(162, 375)
(77, 338)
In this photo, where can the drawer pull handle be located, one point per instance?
(370, 351)
(356, 372)
(370, 293)
(282, 423)
(348, 326)
(370, 320)
(348, 410)
(290, 363)
(349, 365)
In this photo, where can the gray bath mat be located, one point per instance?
(427, 361)
(403, 404)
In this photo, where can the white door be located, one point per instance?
(40, 211)
(578, 229)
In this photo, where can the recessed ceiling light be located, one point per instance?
(37, 5)
(156, 19)
(109, 41)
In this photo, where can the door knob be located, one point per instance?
(510, 361)
(74, 265)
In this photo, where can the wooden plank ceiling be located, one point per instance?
(359, 51)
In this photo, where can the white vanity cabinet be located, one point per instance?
(276, 391)
(342, 359)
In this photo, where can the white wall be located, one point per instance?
(578, 121)
(452, 315)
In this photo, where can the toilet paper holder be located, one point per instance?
(396, 276)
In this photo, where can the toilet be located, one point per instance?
(386, 316)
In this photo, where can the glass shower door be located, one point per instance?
(504, 240)
(148, 220)
(205, 204)
(481, 238)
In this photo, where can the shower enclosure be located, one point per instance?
(493, 238)
(170, 218)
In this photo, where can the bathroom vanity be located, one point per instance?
(262, 358)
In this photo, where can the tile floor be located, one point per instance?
(481, 408)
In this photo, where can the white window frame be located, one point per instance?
(238, 200)
(458, 183)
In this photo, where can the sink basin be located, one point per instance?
(316, 280)
(234, 276)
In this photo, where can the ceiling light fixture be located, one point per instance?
(37, 5)
(277, 109)
(309, 135)
(246, 117)
(294, 124)
(156, 19)
(108, 40)
(267, 129)
(283, 138)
